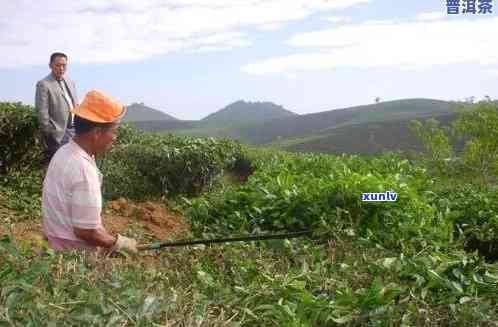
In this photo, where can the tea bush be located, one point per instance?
(349, 281)
(473, 210)
(19, 137)
(153, 165)
(290, 192)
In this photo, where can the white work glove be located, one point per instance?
(125, 244)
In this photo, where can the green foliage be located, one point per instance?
(294, 283)
(67, 289)
(478, 125)
(473, 209)
(20, 191)
(367, 264)
(144, 165)
(324, 192)
(436, 143)
(19, 136)
(20, 160)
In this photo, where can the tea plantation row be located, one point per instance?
(411, 262)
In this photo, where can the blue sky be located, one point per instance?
(190, 58)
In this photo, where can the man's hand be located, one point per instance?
(95, 237)
(125, 244)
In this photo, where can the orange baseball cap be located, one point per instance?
(100, 108)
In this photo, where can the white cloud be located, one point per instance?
(411, 45)
(270, 27)
(222, 46)
(113, 31)
(338, 19)
(285, 64)
(380, 22)
(222, 38)
(431, 16)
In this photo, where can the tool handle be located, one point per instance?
(159, 245)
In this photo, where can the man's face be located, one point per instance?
(105, 138)
(58, 67)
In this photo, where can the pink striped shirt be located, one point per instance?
(71, 197)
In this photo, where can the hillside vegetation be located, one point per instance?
(365, 138)
(246, 112)
(426, 259)
(138, 112)
(312, 124)
(334, 131)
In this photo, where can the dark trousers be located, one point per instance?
(53, 145)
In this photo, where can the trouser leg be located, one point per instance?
(51, 147)
(68, 135)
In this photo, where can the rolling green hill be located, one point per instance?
(170, 126)
(226, 122)
(364, 129)
(319, 123)
(242, 112)
(364, 138)
(138, 112)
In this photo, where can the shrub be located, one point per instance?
(151, 165)
(474, 211)
(19, 137)
(293, 192)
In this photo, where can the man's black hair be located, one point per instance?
(82, 125)
(243, 166)
(57, 54)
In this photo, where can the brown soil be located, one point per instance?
(155, 220)
(23, 231)
(148, 221)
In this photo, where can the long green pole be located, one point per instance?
(160, 245)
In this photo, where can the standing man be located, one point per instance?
(72, 197)
(54, 100)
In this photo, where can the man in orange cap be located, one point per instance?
(72, 197)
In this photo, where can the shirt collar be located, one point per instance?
(81, 151)
(55, 79)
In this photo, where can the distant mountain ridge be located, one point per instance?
(318, 122)
(139, 112)
(365, 138)
(242, 112)
(365, 129)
